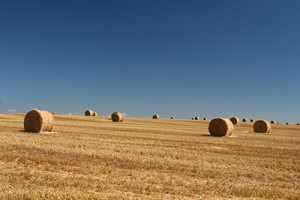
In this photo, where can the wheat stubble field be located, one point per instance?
(95, 158)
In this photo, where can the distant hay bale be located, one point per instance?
(287, 123)
(278, 122)
(37, 121)
(89, 113)
(262, 126)
(155, 117)
(53, 113)
(235, 120)
(251, 120)
(272, 122)
(193, 118)
(172, 118)
(69, 114)
(95, 114)
(298, 124)
(220, 127)
(245, 120)
(197, 118)
(117, 117)
(204, 118)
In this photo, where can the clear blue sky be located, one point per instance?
(173, 58)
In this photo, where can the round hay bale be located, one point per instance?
(272, 122)
(235, 120)
(251, 120)
(298, 124)
(262, 126)
(287, 123)
(117, 117)
(37, 121)
(53, 113)
(95, 114)
(197, 118)
(204, 118)
(193, 118)
(220, 127)
(172, 118)
(245, 120)
(89, 113)
(155, 117)
(69, 114)
(278, 122)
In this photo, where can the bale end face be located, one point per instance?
(37, 121)
(117, 117)
(220, 127)
(89, 113)
(155, 117)
(262, 126)
(234, 120)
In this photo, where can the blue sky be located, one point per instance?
(168, 57)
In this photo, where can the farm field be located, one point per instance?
(95, 158)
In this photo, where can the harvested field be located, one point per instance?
(95, 158)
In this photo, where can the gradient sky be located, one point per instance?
(176, 58)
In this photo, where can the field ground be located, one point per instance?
(94, 158)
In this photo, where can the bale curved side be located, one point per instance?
(89, 113)
(220, 127)
(262, 126)
(234, 120)
(37, 121)
(95, 114)
(155, 117)
(117, 117)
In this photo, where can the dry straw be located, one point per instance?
(172, 118)
(89, 113)
(245, 120)
(235, 120)
(197, 118)
(221, 127)
(117, 117)
(37, 121)
(204, 118)
(155, 117)
(262, 126)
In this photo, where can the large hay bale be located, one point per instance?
(220, 127)
(197, 118)
(272, 122)
(95, 114)
(37, 121)
(245, 120)
(89, 113)
(117, 117)
(235, 120)
(251, 120)
(172, 118)
(204, 118)
(155, 117)
(262, 126)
